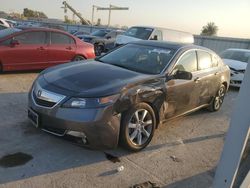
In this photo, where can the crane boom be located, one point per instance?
(84, 21)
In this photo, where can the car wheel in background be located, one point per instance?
(137, 127)
(78, 58)
(99, 49)
(218, 99)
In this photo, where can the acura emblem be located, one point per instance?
(39, 93)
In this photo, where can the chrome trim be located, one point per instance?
(46, 95)
(56, 134)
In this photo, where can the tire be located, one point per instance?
(218, 99)
(79, 58)
(99, 49)
(137, 127)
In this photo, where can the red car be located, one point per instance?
(39, 48)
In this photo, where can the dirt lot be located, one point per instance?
(183, 153)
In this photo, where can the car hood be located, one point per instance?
(123, 39)
(237, 65)
(91, 78)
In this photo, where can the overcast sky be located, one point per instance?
(231, 16)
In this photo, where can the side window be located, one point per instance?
(59, 38)
(157, 35)
(188, 62)
(204, 60)
(35, 37)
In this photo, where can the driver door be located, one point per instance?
(182, 95)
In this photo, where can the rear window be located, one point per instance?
(60, 38)
(139, 32)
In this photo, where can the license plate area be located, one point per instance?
(33, 117)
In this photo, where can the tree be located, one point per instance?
(210, 29)
(33, 14)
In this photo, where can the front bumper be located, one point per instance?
(100, 126)
(236, 79)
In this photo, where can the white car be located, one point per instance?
(237, 60)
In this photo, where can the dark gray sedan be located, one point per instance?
(123, 96)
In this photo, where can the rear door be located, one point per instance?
(182, 95)
(62, 48)
(30, 53)
(208, 76)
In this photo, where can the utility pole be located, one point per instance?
(110, 8)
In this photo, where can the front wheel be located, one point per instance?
(218, 99)
(137, 127)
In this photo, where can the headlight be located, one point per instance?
(90, 102)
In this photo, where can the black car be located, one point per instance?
(126, 94)
(103, 39)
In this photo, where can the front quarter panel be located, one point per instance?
(151, 92)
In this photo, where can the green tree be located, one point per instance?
(28, 13)
(210, 29)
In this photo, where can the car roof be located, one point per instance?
(238, 49)
(171, 45)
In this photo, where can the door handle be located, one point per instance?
(69, 48)
(197, 79)
(41, 48)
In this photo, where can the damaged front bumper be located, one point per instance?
(98, 127)
(236, 78)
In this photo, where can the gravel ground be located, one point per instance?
(183, 153)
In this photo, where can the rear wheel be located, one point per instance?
(218, 99)
(79, 58)
(137, 127)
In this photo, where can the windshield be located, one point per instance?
(242, 56)
(99, 33)
(139, 32)
(139, 58)
(9, 31)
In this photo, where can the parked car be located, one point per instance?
(125, 94)
(153, 33)
(102, 39)
(237, 60)
(7, 23)
(80, 33)
(39, 48)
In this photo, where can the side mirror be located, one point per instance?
(182, 75)
(108, 37)
(14, 43)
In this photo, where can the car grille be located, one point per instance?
(235, 82)
(45, 98)
(41, 102)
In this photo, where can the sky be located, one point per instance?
(231, 16)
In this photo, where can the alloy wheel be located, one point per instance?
(140, 127)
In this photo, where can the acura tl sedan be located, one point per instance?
(123, 96)
(40, 48)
